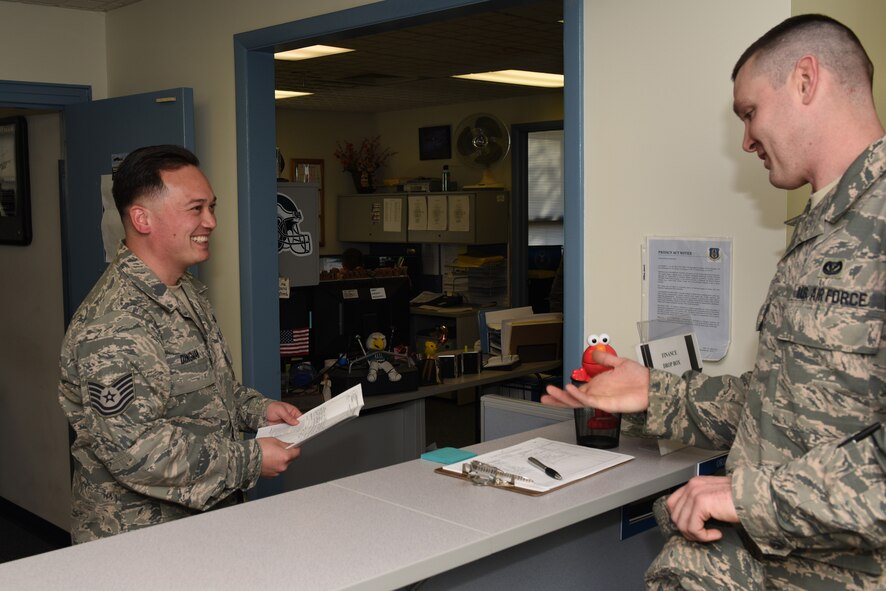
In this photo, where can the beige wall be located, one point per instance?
(34, 454)
(40, 44)
(43, 44)
(663, 157)
(868, 19)
(313, 134)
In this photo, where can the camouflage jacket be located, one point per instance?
(819, 377)
(151, 396)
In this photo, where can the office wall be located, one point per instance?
(58, 45)
(313, 134)
(663, 155)
(40, 44)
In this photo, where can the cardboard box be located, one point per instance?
(533, 340)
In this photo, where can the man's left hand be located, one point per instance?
(282, 412)
(701, 499)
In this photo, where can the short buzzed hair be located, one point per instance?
(834, 44)
(139, 174)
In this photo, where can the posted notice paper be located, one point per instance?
(340, 408)
(691, 279)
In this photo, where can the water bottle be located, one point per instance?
(445, 184)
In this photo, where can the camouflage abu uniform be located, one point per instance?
(816, 513)
(151, 395)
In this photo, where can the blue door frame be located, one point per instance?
(256, 173)
(41, 95)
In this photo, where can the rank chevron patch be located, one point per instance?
(111, 400)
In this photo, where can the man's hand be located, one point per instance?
(282, 412)
(625, 388)
(275, 458)
(703, 498)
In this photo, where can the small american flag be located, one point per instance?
(294, 341)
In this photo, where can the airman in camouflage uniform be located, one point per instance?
(802, 506)
(815, 511)
(148, 387)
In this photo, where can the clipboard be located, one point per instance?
(574, 462)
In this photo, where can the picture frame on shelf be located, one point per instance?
(310, 170)
(15, 182)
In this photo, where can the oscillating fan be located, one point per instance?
(482, 141)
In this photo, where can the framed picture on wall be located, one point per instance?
(310, 170)
(434, 143)
(15, 185)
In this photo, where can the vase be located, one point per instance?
(362, 181)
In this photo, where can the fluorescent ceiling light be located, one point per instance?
(282, 94)
(521, 77)
(306, 53)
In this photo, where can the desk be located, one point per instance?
(379, 530)
(389, 430)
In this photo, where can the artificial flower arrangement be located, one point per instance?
(362, 163)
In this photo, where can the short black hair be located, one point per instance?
(139, 173)
(833, 43)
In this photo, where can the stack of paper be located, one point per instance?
(345, 406)
(488, 285)
(490, 327)
(572, 462)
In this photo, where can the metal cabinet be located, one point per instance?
(464, 217)
(477, 217)
(372, 218)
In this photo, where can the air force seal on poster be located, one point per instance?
(111, 400)
(714, 253)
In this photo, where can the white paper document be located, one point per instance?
(437, 207)
(691, 279)
(393, 215)
(573, 462)
(418, 212)
(459, 213)
(345, 406)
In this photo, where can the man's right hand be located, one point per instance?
(275, 458)
(623, 389)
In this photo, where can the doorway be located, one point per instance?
(254, 64)
(537, 215)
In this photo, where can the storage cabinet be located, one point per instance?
(372, 218)
(479, 217)
(463, 217)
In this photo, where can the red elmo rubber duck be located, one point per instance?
(588, 368)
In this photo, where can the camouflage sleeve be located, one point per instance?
(252, 407)
(694, 408)
(831, 498)
(185, 456)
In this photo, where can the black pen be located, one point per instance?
(549, 471)
(866, 432)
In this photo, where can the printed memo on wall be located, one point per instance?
(689, 280)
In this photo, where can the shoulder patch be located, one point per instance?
(112, 400)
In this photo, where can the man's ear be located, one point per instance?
(806, 78)
(140, 218)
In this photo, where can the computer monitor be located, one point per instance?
(350, 307)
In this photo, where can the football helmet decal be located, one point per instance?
(289, 236)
